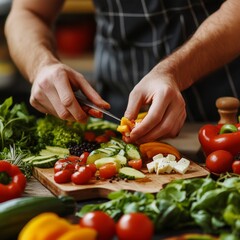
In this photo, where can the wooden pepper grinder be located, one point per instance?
(227, 108)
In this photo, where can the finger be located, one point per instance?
(88, 90)
(66, 104)
(134, 105)
(153, 118)
(168, 127)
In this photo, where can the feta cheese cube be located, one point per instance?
(157, 156)
(151, 167)
(182, 166)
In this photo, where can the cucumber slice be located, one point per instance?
(58, 150)
(109, 152)
(102, 161)
(95, 155)
(130, 173)
(47, 163)
(28, 159)
(122, 160)
(118, 142)
(132, 151)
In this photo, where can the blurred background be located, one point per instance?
(75, 32)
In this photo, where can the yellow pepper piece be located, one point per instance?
(80, 233)
(32, 227)
(142, 115)
(45, 226)
(53, 230)
(123, 128)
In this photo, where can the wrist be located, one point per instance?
(176, 68)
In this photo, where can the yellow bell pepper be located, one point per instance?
(80, 233)
(49, 226)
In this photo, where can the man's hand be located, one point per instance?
(52, 92)
(166, 114)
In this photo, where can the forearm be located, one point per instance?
(215, 43)
(30, 41)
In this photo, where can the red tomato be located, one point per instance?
(135, 163)
(89, 136)
(92, 167)
(108, 170)
(82, 176)
(135, 226)
(101, 222)
(102, 138)
(236, 167)
(63, 176)
(59, 166)
(110, 133)
(83, 157)
(219, 161)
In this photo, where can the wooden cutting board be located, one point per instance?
(101, 188)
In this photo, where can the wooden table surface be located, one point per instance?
(187, 143)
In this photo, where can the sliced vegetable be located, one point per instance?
(108, 170)
(130, 173)
(151, 149)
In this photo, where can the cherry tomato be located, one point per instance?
(83, 157)
(82, 176)
(102, 138)
(92, 167)
(59, 166)
(219, 161)
(108, 170)
(110, 133)
(89, 136)
(135, 163)
(236, 167)
(135, 226)
(63, 176)
(101, 222)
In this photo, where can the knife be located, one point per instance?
(83, 100)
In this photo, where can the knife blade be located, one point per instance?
(83, 100)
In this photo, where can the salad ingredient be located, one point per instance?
(219, 161)
(82, 176)
(150, 149)
(211, 140)
(205, 203)
(101, 222)
(49, 225)
(63, 176)
(130, 173)
(236, 167)
(15, 213)
(53, 131)
(134, 226)
(12, 181)
(85, 146)
(135, 163)
(13, 118)
(108, 170)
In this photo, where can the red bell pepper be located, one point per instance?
(12, 181)
(211, 140)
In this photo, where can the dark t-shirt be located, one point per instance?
(134, 35)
